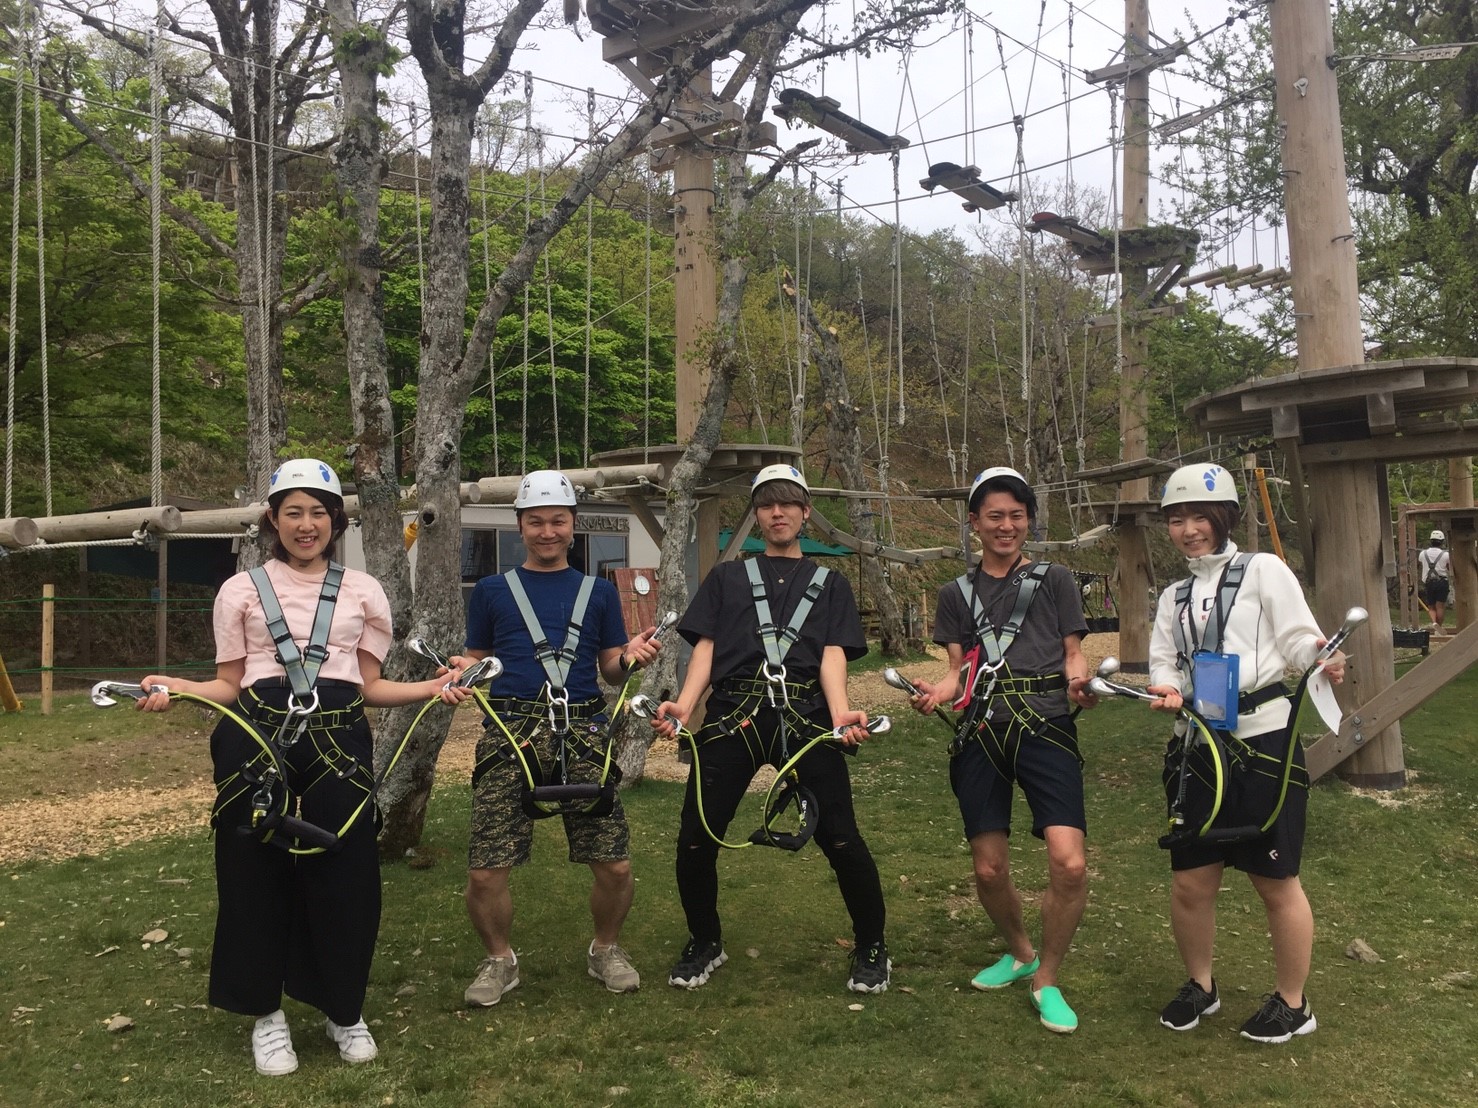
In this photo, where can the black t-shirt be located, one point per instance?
(723, 610)
(1056, 613)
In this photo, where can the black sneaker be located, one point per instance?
(1190, 1004)
(871, 968)
(700, 958)
(1275, 1022)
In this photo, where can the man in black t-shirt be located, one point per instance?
(1018, 730)
(761, 711)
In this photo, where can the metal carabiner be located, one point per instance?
(991, 687)
(776, 678)
(559, 709)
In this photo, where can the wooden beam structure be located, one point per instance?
(1387, 707)
(17, 532)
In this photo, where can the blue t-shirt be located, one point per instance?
(496, 626)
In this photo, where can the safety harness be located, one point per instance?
(771, 688)
(553, 793)
(273, 799)
(987, 674)
(1187, 642)
(1222, 752)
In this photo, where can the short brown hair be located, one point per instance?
(780, 492)
(1223, 515)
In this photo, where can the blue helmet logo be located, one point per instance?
(1209, 477)
(323, 471)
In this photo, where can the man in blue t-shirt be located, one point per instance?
(569, 610)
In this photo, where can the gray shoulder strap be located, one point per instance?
(777, 644)
(302, 666)
(556, 663)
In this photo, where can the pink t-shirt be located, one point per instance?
(361, 622)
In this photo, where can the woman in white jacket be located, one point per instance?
(1266, 624)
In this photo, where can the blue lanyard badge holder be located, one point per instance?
(1215, 683)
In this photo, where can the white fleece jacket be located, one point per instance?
(1270, 627)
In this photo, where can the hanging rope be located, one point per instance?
(589, 267)
(798, 390)
(949, 446)
(965, 380)
(995, 347)
(156, 172)
(487, 285)
(1115, 215)
(1067, 123)
(22, 32)
(528, 212)
(549, 304)
(41, 262)
(646, 381)
(898, 284)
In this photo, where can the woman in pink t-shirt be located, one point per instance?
(298, 922)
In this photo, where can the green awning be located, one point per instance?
(756, 545)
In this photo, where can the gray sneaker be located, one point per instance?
(495, 976)
(612, 968)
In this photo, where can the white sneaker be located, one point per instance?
(356, 1044)
(272, 1046)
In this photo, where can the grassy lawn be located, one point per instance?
(776, 1026)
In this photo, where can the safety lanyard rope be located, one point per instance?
(302, 666)
(785, 787)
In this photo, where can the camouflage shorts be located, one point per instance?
(503, 834)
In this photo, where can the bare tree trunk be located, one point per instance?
(359, 170)
(844, 444)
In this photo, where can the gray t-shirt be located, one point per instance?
(1056, 613)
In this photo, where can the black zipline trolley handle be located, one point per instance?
(105, 693)
(879, 725)
(480, 672)
(892, 677)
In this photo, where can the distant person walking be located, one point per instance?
(1435, 570)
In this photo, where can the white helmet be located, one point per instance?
(994, 471)
(305, 473)
(1200, 484)
(545, 488)
(778, 472)
(1438, 536)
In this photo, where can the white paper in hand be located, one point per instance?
(1321, 689)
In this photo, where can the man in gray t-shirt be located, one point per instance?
(1024, 733)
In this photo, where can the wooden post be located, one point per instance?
(48, 644)
(1464, 551)
(1135, 576)
(1343, 496)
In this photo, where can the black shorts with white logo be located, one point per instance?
(1250, 795)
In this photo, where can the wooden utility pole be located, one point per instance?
(1135, 577)
(1350, 518)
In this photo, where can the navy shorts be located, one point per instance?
(1436, 590)
(1044, 761)
(1250, 796)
